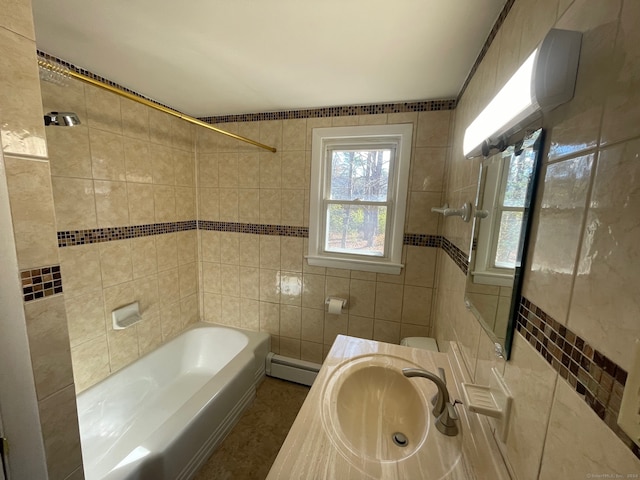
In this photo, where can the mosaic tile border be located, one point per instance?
(485, 48)
(41, 282)
(254, 228)
(72, 238)
(460, 258)
(87, 73)
(341, 111)
(597, 379)
(99, 235)
(422, 240)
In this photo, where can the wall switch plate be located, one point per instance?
(629, 416)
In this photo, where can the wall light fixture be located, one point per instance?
(544, 81)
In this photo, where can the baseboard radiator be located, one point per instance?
(291, 369)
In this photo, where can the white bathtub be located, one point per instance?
(162, 416)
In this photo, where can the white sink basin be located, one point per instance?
(367, 401)
(374, 403)
(360, 399)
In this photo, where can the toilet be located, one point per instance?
(424, 343)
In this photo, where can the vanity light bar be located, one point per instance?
(544, 81)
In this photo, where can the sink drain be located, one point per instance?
(400, 439)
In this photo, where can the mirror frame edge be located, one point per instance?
(525, 242)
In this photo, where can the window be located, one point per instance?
(504, 200)
(359, 179)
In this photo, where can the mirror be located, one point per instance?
(501, 227)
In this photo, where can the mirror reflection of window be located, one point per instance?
(505, 191)
(517, 171)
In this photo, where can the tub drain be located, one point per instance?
(400, 439)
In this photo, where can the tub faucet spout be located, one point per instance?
(443, 409)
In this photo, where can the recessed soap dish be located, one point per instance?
(493, 400)
(126, 316)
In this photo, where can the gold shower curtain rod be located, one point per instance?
(70, 73)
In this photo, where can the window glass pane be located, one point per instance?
(356, 229)
(508, 239)
(360, 174)
(520, 170)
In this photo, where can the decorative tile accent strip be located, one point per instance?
(487, 44)
(414, 239)
(422, 240)
(41, 282)
(99, 235)
(254, 228)
(596, 378)
(458, 256)
(344, 111)
(87, 73)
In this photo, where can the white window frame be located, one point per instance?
(398, 136)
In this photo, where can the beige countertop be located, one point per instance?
(318, 448)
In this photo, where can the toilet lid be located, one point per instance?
(425, 343)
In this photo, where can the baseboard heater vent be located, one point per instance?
(291, 369)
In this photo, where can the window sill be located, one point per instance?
(486, 277)
(356, 264)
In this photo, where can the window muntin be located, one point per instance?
(358, 196)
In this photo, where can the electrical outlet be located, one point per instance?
(629, 417)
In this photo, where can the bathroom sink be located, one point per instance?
(378, 419)
(376, 411)
(361, 399)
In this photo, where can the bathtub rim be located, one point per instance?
(259, 338)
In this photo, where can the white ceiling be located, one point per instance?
(218, 57)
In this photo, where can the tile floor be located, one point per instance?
(252, 446)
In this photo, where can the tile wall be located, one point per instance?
(123, 186)
(261, 281)
(581, 270)
(128, 165)
(132, 225)
(28, 181)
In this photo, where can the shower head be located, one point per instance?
(64, 119)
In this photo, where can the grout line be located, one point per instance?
(548, 425)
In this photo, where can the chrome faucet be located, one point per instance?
(443, 409)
